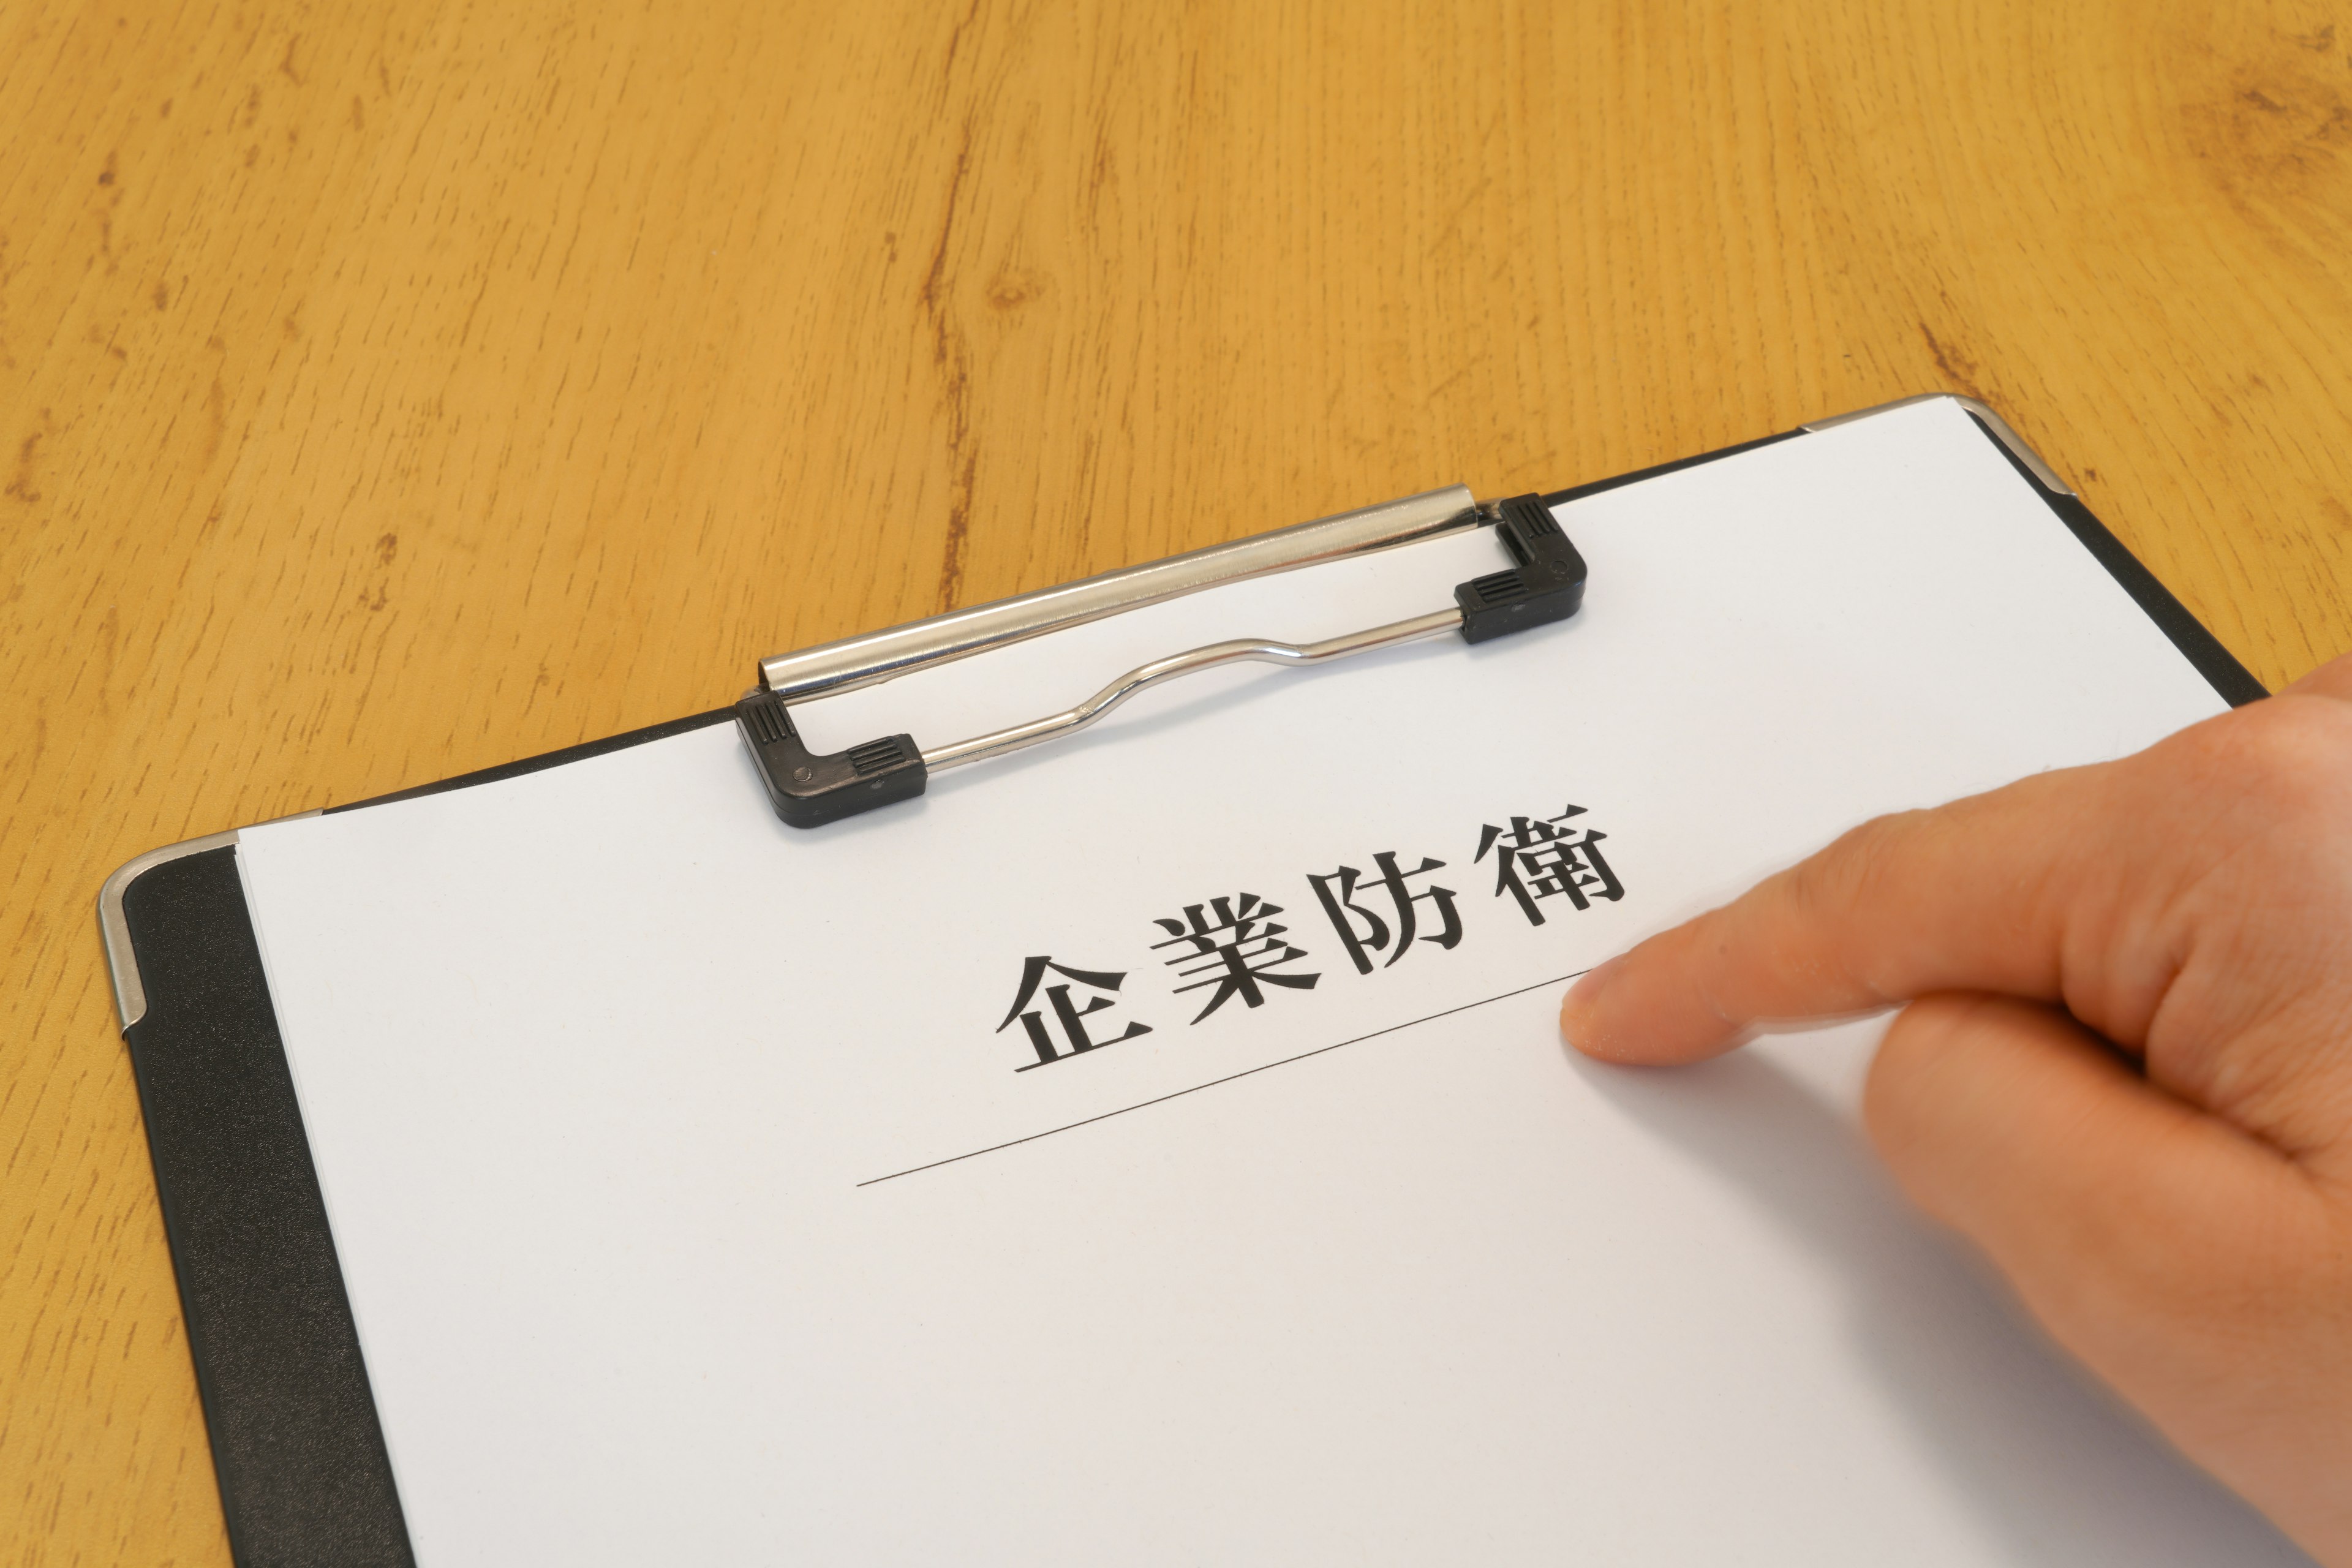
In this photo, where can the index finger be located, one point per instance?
(2064, 888)
(1977, 895)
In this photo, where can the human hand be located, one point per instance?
(2124, 1071)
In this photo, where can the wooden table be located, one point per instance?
(391, 390)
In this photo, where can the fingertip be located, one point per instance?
(1577, 1012)
(1638, 1010)
(1582, 1021)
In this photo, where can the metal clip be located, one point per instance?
(1545, 582)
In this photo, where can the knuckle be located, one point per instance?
(2290, 756)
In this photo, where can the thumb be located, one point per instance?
(2018, 1126)
(2137, 1230)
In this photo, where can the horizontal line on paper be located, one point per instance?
(1179, 1094)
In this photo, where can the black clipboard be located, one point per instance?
(298, 1450)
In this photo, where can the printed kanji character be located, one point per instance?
(1232, 944)
(1361, 929)
(1076, 1035)
(1538, 858)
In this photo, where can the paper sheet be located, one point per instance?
(710, 1191)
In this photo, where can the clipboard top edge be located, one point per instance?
(114, 929)
(2002, 431)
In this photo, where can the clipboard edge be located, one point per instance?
(294, 1435)
(114, 928)
(2195, 641)
(2000, 429)
(2190, 637)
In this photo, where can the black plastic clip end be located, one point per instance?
(809, 790)
(1546, 585)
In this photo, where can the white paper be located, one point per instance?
(651, 1131)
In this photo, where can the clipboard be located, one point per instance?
(300, 1453)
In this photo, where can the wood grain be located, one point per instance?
(393, 390)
